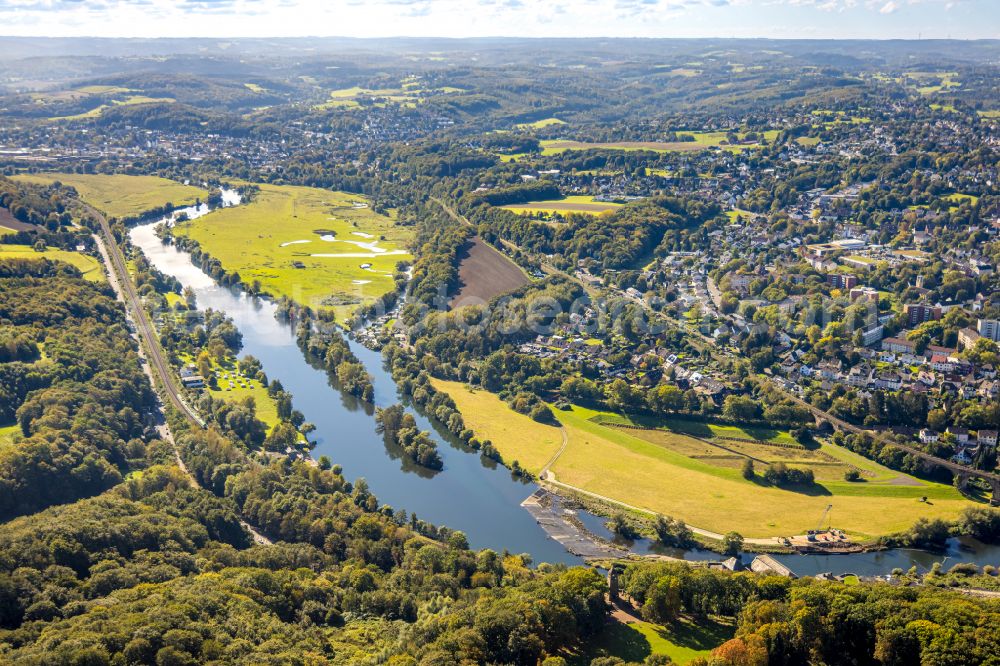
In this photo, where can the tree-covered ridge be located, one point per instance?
(79, 408)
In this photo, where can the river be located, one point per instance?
(471, 493)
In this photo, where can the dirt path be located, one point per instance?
(565, 440)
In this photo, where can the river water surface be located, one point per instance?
(470, 494)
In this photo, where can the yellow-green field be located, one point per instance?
(128, 101)
(683, 641)
(119, 195)
(323, 249)
(569, 204)
(702, 140)
(539, 124)
(662, 476)
(7, 434)
(516, 436)
(89, 266)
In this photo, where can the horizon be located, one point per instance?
(804, 20)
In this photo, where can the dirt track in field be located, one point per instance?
(484, 274)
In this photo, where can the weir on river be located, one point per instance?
(471, 493)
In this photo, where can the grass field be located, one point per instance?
(120, 195)
(702, 140)
(539, 124)
(614, 462)
(484, 273)
(568, 204)
(633, 642)
(674, 474)
(128, 101)
(323, 249)
(232, 387)
(7, 434)
(89, 266)
(516, 436)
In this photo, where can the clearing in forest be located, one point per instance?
(484, 273)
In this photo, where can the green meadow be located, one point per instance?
(119, 195)
(327, 250)
(89, 266)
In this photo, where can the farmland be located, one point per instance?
(324, 249)
(484, 273)
(568, 204)
(120, 195)
(89, 266)
(665, 470)
(699, 141)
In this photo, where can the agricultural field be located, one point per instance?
(699, 481)
(120, 195)
(516, 436)
(567, 204)
(484, 273)
(89, 266)
(327, 250)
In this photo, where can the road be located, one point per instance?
(149, 347)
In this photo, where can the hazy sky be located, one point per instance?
(475, 18)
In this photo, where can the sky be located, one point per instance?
(837, 19)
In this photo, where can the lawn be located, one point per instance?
(633, 642)
(119, 195)
(516, 436)
(323, 249)
(616, 463)
(569, 204)
(232, 387)
(89, 266)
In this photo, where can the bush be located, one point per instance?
(852, 475)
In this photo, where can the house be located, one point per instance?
(987, 438)
(899, 346)
(929, 436)
(961, 434)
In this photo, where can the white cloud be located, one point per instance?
(889, 7)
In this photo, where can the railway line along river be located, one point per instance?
(470, 494)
